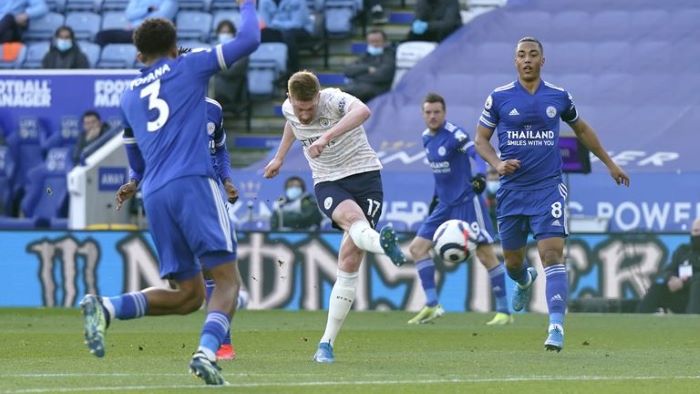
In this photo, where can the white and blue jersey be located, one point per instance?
(528, 130)
(533, 198)
(448, 151)
(165, 117)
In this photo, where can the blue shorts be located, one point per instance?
(473, 211)
(542, 212)
(188, 220)
(364, 188)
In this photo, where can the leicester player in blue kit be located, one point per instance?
(532, 197)
(165, 109)
(222, 165)
(448, 150)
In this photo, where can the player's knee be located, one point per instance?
(551, 257)
(191, 299)
(418, 252)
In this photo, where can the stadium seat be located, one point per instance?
(338, 16)
(117, 56)
(114, 20)
(42, 29)
(92, 51)
(84, 24)
(266, 64)
(19, 60)
(610, 25)
(193, 25)
(223, 5)
(56, 5)
(35, 54)
(408, 54)
(7, 174)
(607, 55)
(494, 57)
(569, 56)
(563, 21)
(114, 5)
(194, 5)
(25, 146)
(83, 5)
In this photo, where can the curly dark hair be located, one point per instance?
(155, 37)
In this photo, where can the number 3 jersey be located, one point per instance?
(528, 130)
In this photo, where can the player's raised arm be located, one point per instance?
(355, 115)
(589, 138)
(273, 167)
(221, 57)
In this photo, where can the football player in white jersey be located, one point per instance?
(347, 184)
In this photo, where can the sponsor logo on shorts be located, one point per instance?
(327, 203)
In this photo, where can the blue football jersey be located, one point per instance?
(166, 110)
(528, 130)
(448, 152)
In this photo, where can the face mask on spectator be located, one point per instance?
(225, 37)
(374, 51)
(695, 242)
(492, 186)
(293, 192)
(63, 44)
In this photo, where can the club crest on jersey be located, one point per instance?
(328, 202)
(442, 151)
(210, 128)
(325, 122)
(551, 111)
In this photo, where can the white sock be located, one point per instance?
(365, 237)
(109, 306)
(342, 297)
(211, 356)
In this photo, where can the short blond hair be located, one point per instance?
(303, 86)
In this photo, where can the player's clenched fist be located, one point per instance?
(272, 168)
(507, 167)
(125, 192)
(317, 147)
(231, 191)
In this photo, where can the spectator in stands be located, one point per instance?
(435, 20)
(287, 21)
(230, 86)
(678, 288)
(93, 128)
(136, 12)
(64, 51)
(372, 74)
(15, 16)
(376, 11)
(297, 209)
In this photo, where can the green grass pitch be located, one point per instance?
(42, 351)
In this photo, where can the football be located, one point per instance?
(451, 241)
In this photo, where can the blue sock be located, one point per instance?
(498, 287)
(557, 292)
(426, 273)
(215, 328)
(519, 275)
(209, 287)
(129, 305)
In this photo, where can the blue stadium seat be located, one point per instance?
(114, 20)
(563, 22)
(117, 56)
(47, 191)
(42, 29)
(7, 174)
(223, 5)
(193, 25)
(222, 15)
(560, 59)
(338, 16)
(114, 5)
(84, 24)
(195, 5)
(56, 5)
(83, 5)
(610, 25)
(493, 57)
(607, 55)
(35, 53)
(19, 60)
(92, 51)
(266, 64)
(25, 145)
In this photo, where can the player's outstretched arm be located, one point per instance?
(588, 136)
(483, 146)
(273, 167)
(356, 114)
